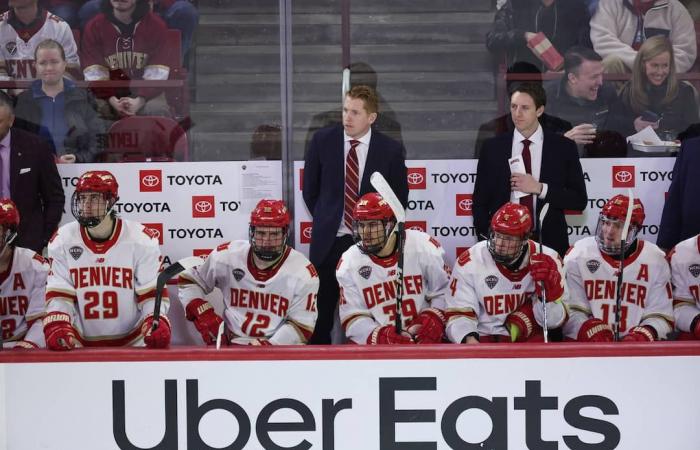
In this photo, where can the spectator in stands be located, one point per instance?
(59, 111)
(564, 23)
(620, 27)
(178, 14)
(681, 216)
(127, 41)
(21, 29)
(654, 96)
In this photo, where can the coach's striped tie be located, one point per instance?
(352, 182)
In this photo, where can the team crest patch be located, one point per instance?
(365, 272)
(694, 269)
(11, 48)
(491, 281)
(75, 252)
(238, 274)
(592, 265)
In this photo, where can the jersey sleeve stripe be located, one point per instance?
(63, 295)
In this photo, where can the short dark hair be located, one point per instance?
(533, 89)
(576, 56)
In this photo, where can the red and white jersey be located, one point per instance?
(592, 280)
(22, 289)
(685, 273)
(108, 287)
(17, 60)
(277, 304)
(483, 293)
(368, 285)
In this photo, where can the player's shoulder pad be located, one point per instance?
(150, 232)
(434, 241)
(222, 247)
(40, 259)
(312, 270)
(464, 257)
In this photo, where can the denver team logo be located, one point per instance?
(623, 176)
(203, 206)
(150, 180)
(416, 177)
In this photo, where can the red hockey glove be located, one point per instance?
(428, 327)
(205, 319)
(640, 334)
(158, 338)
(544, 268)
(59, 333)
(387, 335)
(695, 327)
(595, 330)
(24, 345)
(521, 323)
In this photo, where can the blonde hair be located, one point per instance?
(367, 95)
(651, 48)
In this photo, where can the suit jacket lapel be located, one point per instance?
(371, 165)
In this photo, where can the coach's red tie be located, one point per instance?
(352, 182)
(527, 201)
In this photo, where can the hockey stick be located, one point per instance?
(170, 272)
(623, 239)
(383, 188)
(545, 330)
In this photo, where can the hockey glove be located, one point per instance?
(544, 269)
(595, 330)
(387, 335)
(205, 319)
(160, 338)
(428, 327)
(521, 323)
(640, 334)
(59, 333)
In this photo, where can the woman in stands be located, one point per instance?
(59, 111)
(654, 96)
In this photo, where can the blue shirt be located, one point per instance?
(53, 119)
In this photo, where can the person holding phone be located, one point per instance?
(654, 96)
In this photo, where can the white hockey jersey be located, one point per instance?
(482, 293)
(685, 271)
(592, 280)
(107, 288)
(22, 289)
(17, 54)
(368, 285)
(277, 304)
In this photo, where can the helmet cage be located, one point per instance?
(506, 248)
(614, 248)
(268, 249)
(8, 236)
(371, 235)
(80, 203)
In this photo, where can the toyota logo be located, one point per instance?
(150, 180)
(465, 204)
(306, 232)
(415, 178)
(623, 176)
(154, 232)
(203, 206)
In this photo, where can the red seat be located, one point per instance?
(145, 139)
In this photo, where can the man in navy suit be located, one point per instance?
(325, 190)
(555, 175)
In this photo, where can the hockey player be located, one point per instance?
(22, 286)
(685, 273)
(367, 277)
(495, 291)
(269, 289)
(592, 265)
(22, 27)
(101, 286)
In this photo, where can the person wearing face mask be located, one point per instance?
(63, 114)
(654, 96)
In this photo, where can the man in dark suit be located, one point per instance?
(555, 174)
(339, 157)
(28, 175)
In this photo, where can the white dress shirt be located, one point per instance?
(536, 143)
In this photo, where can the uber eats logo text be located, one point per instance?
(389, 415)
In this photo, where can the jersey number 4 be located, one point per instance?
(108, 305)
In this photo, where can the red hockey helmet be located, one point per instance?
(510, 228)
(269, 229)
(9, 220)
(372, 223)
(89, 210)
(611, 221)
